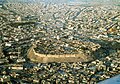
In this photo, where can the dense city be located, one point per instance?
(59, 29)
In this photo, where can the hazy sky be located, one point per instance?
(67, 1)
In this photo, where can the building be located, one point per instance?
(1, 3)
